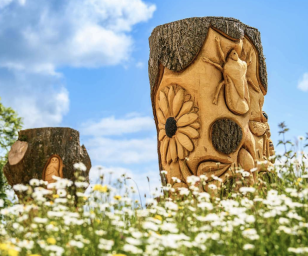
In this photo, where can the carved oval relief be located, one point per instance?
(53, 167)
(177, 118)
(226, 135)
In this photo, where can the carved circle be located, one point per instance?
(170, 127)
(226, 135)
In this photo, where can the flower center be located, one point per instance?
(170, 127)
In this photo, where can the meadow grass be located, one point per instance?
(269, 217)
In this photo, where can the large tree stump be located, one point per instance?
(43, 152)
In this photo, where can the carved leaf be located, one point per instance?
(172, 148)
(186, 108)
(195, 125)
(189, 131)
(163, 104)
(187, 119)
(180, 149)
(185, 141)
(162, 134)
(160, 117)
(170, 98)
(178, 102)
(245, 160)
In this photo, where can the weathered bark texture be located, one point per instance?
(226, 135)
(175, 45)
(42, 144)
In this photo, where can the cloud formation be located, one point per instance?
(303, 83)
(106, 145)
(112, 126)
(38, 37)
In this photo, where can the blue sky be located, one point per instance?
(54, 72)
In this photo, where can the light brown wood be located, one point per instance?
(17, 152)
(163, 103)
(187, 119)
(53, 167)
(245, 160)
(186, 108)
(221, 83)
(171, 95)
(258, 128)
(189, 131)
(173, 150)
(178, 102)
(185, 141)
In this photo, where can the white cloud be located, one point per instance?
(83, 33)
(38, 37)
(40, 99)
(125, 151)
(303, 83)
(111, 126)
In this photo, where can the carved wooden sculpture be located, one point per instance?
(43, 152)
(202, 129)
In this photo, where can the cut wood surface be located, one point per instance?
(35, 147)
(17, 152)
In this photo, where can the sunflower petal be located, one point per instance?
(172, 148)
(186, 108)
(163, 149)
(163, 104)
(170, 98)
(195, 125)
(180, 149)
(161, 126)
(178, 102)
(187, 119)
(169, 158)
(162, 134)
(185, 141)
(160, 117)
(189, 131)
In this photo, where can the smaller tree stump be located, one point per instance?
(42, 153)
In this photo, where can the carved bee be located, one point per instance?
(234, 80)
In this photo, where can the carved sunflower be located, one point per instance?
(177, 118)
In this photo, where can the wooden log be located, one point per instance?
(43, 152)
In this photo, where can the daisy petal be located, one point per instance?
(185, 141)
(163, 104)
(172, 148)
(178, 102)
(162, 134)
(163, 149)
(186, 108)
(160, 117)
(187, 119)
(180, 149)
(195, 125)
(170, 98)
(190, 132)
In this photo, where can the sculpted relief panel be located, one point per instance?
(209, 115)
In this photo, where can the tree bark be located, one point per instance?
(42, 145)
